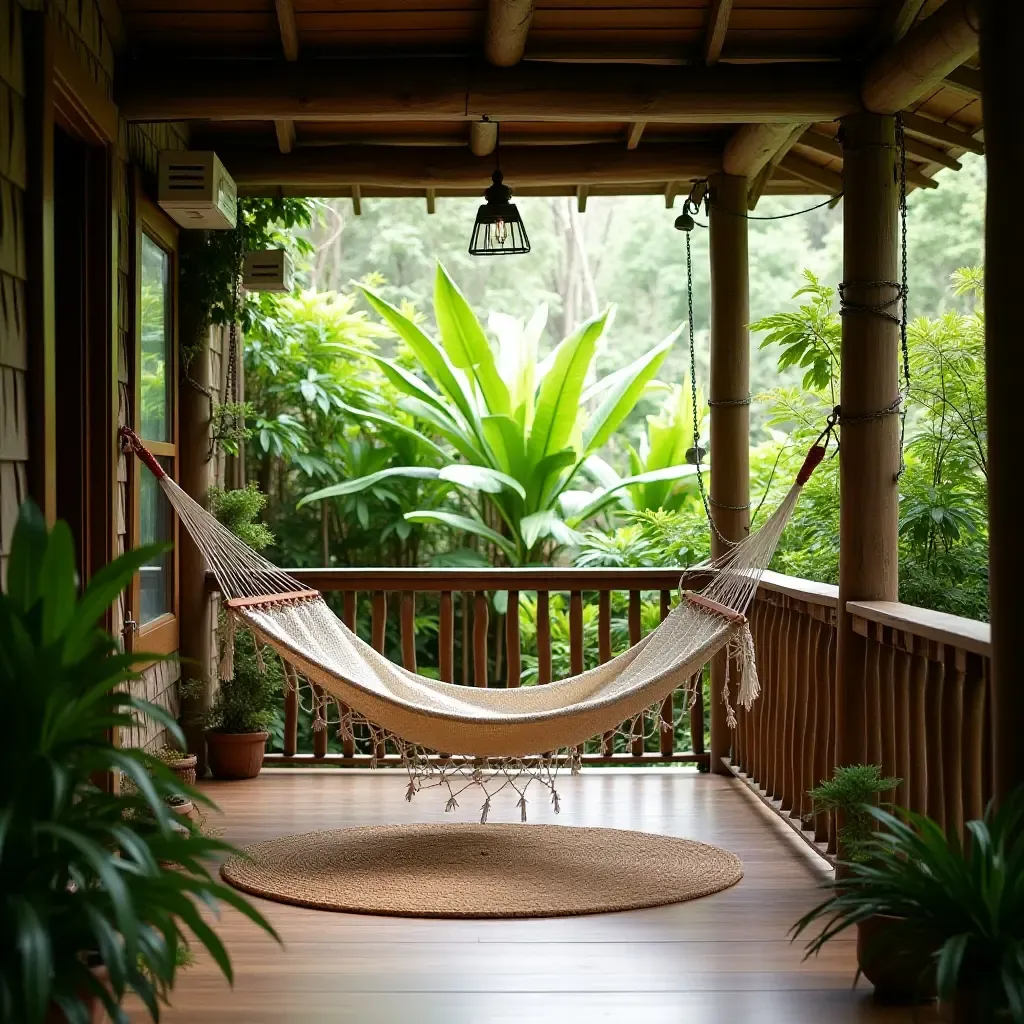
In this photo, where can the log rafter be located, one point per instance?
(508, 25)
(718, 25)
(284, 127)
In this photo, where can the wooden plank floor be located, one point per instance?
(724, 958)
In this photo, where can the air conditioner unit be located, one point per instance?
(267, 271)
(196, 190)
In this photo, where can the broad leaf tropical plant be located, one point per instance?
(84, 869)
(961, 902)
(519, 430)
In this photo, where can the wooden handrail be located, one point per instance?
(952, 630)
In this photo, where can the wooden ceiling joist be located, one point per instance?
(431, 200)
(508, 25)
(752, 146)
(449, 90)
(285, 131)
(483, 137)
(718, 25)
(927, 53)
(436, 168)
(965, 80)
(636, 129)
(287, 28)
(827, 181)
(582, 193)
(898, 17)
(357, 200)
(829, 146)
(941, 132)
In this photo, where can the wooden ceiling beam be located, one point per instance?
(636, 129)
(285, 131)
(113, 22)
(829, 182)
(941, 132)
(760, 181)
(508, 25)
(927, 53)
(965, 80)
(933, 155)
(896, 21)
(449, 90)
(483, 137)
(752, 146)
(439, 168)
(718, 25)
(357, 201)
(287, 28)
(582, 192)
(431, 196)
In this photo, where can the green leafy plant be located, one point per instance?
(247, 701)
(851, 793)
(238, 511)
(518, 429)
(82, 866)
(964, 901)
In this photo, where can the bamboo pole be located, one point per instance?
(869, 458)
(730, 391)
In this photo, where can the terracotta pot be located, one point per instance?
(899, 975)
(236, 755)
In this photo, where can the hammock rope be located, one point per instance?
(498, 738)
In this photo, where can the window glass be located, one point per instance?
(155, 301)
(156, 524)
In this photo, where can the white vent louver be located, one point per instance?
(267, 271)
(196, 190)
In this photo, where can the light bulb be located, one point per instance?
(500, 231)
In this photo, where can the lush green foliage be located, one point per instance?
(80, 866)
(964, 901)
(238, 511)
(851, 792)
(519, 431)
(247, 701)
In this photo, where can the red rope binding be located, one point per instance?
(811, 463)
(129, 439)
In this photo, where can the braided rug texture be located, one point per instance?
(477, 871)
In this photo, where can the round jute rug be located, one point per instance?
(496, 870)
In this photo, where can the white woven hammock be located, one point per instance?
(494, 737)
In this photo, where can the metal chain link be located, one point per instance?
(901, 141)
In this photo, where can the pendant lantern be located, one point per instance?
(498, 229)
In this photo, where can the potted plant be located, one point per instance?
(86, 911)
(958, 906)
(242, 710)
(183, 765)
(850, 794)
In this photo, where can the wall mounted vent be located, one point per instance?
(267, 271)
(196, 190)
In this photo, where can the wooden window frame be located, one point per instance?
(160, 636)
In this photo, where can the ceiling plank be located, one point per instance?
(289, 33)
(285, 131)
(829, 182)
(438, 168)
(508, 25)
(636, 129)
(941, 132)
(718, 25)
(449, 90)
(926, 54)
(965, 80)
(483, 137)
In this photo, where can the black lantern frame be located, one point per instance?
(498, 229)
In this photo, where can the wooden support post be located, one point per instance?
(869, 458)
(195, 608)
(1003, 83)
(730, 391)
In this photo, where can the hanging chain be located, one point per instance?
(231, 377)
(901, 141)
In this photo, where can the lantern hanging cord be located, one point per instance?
(700, 188)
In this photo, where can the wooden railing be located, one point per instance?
(925, 712)
(475, 647)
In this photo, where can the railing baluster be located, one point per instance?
(808, 714)
(920, 783)
(604, 653)
(543, 637)
(952, 739)
(480, 639)
(833, 668)
(635, 636)
(667, 738)
(782, 711)
(974, 738)
(513, 648)
(378, 632)
(697, 713)
(575, 632)
(291, 711)
(933, 718)
(752, 764)
(408, 624)
(887, 704)
(873, 700)
(798, 716)
(465, 639)
(822, 686)
(901, 671)
(446, 638)
(348, 616)
(769, 696)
